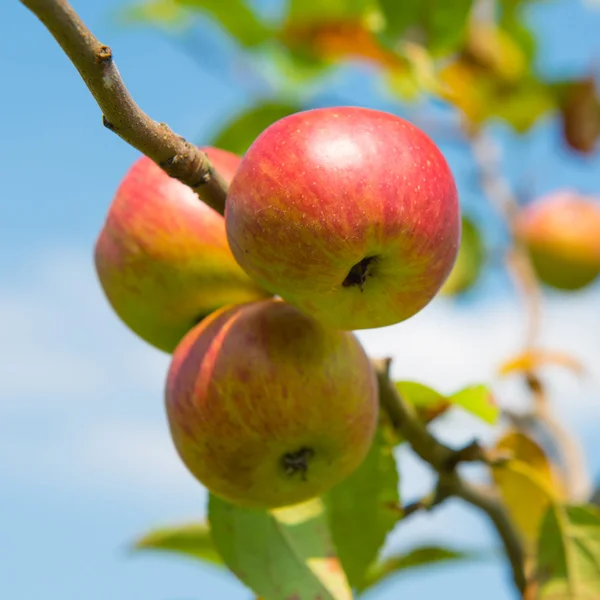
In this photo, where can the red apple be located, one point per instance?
(162, 256)
(349, 213)
(267, 407)
(562, 233)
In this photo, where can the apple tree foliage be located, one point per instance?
(459, 65)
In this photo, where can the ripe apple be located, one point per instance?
(349, 213)
(268, 407)
(562, 234)
(162, 256)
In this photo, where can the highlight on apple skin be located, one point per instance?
(349, 213)
(562, 234)
(162, 255)
(267, 407)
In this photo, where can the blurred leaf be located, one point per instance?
(569, 554)
(362, 510)
(437, 25)
(280, 554)
(418, 557)
(479, 96)
(580, 110)
(533, 359)
(526, 482)
(522, 105)
(512, 21)
(236, 17)
(494, 52)
(163, 13)
(478, 400)
(192, 540)
(239, 133)
(493, 77)
(318, 11)
(469, 262)
(294, 66)
(428, 403)
(342, 39)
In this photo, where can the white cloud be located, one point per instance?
(61, 342)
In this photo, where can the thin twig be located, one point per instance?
(575, 473)
(444, 460)
(94, 61)
(500, 194)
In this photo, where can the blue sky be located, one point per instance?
(86, 463)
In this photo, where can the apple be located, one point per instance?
(267, 407)
(562, 234)
(351, 214)
(162, 255)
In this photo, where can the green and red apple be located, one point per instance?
(267, 406)
(562, 234)
(162, 255)
(351, 214)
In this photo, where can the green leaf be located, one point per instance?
(163, 13)
(280, 554)
(312, 11)
(569, 554)
(239, 133)
(469, 262)
(362, 510)
(429, 403)
(236, 17)
(443, 24)
(418, 557)
(478, 400)
(192, 540)
(522, 106)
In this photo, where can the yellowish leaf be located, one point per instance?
(533, 359)
(527, 483)
(343, 39)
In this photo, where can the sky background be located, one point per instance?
(86, 463)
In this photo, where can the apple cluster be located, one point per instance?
(336, 219)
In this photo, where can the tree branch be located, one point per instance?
(444, 460)
(94, 61)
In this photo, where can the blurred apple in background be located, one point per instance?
(562, 234)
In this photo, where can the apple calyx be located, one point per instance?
(357, 276)
(297, 462)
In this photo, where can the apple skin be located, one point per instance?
(349, 213)
(258, 391)
(162, 256)
(562, 234)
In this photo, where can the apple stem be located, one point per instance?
(94, 61)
